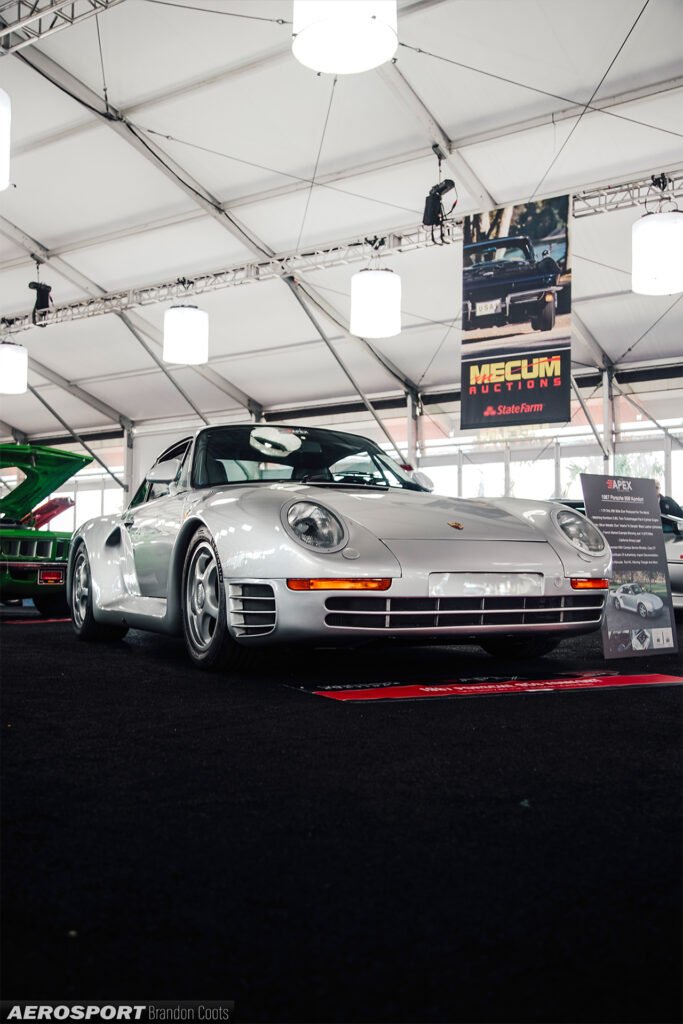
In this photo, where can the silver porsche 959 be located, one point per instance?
(255, 535)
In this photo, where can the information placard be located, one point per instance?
(640, 616)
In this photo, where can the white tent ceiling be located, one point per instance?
(248, 133)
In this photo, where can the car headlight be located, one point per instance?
(315, 526)
(580, 532)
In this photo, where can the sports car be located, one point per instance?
(32, 560)
(251, 535)
(634, 598)
(504, 283)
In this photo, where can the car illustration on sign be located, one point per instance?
(248, 536)
(504, 283)
(33, 561)
(633, 598)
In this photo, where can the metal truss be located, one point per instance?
(284, 267)
(623, 197)
(27, 21)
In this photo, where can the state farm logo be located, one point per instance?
(620, 485)
(490, 411)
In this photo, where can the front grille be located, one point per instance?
(34, 547)
(447, 612)
(251, 607)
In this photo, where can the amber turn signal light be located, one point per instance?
(581, 584)
(331, 584)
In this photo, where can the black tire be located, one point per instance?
(51, 605)
(82, 619)
(203, 602)
(517, 647)
(545, 319)
(642, 610)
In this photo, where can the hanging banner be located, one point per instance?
(640, 617)
(516, 316)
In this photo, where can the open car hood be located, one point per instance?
(46, 469)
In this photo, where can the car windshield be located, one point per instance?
(264, 454)
(486, 254)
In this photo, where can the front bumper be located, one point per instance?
(268, 612)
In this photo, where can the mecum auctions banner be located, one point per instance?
(639, 618)
(516, 316)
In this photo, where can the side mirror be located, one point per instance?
(422, 479)
(164, 472)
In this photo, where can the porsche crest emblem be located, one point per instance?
(456, 525)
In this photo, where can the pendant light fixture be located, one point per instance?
(344, 37)
(657, 246)
(186, 335)
(375, 303)
(13, 369)
(5, 124)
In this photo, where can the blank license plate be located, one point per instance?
(487, 308)
(485, 584)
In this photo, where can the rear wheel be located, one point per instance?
(82, 619)
(617, 604)
(545, 320)
(519, 646)
(50, 605)
(205, 627)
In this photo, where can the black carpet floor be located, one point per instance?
(497, 859)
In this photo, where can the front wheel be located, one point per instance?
(518, 646)
(84, 625)
(642, 610)
(205, 628)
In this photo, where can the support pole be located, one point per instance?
(411, 417)
(460, 462)
(557, 459)
(607, 420)
(506, 464)
(668, 485)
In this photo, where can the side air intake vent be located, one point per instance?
(251, 607)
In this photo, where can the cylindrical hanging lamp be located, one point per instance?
(343, 37)
(375, 303)
(5, 125)
(186, 335)
(657, 253)
(13, 369)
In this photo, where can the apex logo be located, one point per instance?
(620, 485)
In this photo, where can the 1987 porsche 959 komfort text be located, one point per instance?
(246, 536)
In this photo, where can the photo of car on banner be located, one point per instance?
(250, 536)
(516, 313)
(33, 560)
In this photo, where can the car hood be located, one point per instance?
(46, 469)
(415, 515)
(651, 600)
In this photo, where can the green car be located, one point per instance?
(33, 561)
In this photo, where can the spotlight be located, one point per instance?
(43, 300)
(434, 214)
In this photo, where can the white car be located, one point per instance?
(253, 535)
(633, 598)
